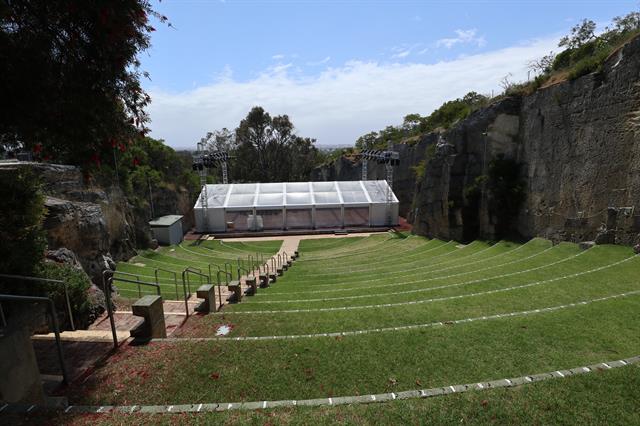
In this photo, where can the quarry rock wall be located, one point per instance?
(98, 224)
(577, 145)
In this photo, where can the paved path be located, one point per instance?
(298, 237)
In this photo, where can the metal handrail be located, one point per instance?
(243, 269)
(48, 280)
(210, 274)
(107, 296)
(230, 271)
(124, 280)
(196, 271)
(190, 270)
(131, 275)
(184, 287)
(228, 275)
(54, 318)
(175, 278)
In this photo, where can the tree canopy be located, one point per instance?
(71, 78)
(266, 149)
(443, 117)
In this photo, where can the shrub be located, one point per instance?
(21, 213)
(77, 285)
(420, 169)
(589, 64)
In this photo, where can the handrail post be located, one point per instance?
(227, 274)
(230, 272)
(56, 330)
(66, 295)
(107, 296)
(184, 288)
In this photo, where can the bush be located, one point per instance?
(21, 213)
(420, 169)
(589, 64)
(563, 60)
(77, 285)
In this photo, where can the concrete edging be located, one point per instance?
(360, 399)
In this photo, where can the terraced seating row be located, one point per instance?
(435, 280)
(165, 265)
(381, 313)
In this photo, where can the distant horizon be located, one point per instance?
(341, 70)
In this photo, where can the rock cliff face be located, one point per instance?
(581, 148)
(98, 224)
(577, 144)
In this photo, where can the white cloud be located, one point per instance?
(401, 54)
(278, 57)
(337, 104)
(320, 62)
(462, 37)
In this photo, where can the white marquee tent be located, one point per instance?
(296, 205)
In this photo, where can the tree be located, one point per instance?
(543, 65)
(367, 141)
(267, 149)
(70, 78)
(629, 22)
(411, 122)
(223, 140)
(580, 34)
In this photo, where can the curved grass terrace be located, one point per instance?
(384, 313)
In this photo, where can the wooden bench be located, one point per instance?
(150, 308)
(236, 289)
(251, 282)
(208, 293)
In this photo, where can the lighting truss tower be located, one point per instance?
(205, 159)
(390, 159)
(365, 175)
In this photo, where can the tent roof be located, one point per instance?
(239, 196)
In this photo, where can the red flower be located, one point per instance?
(136, 162)
(37, 148)
(113, 143)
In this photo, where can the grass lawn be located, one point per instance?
(413, 313)
(604, 398)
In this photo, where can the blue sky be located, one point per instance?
(341, 68)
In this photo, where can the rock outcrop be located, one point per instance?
(98, 225)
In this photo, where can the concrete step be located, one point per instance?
(85, 336)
